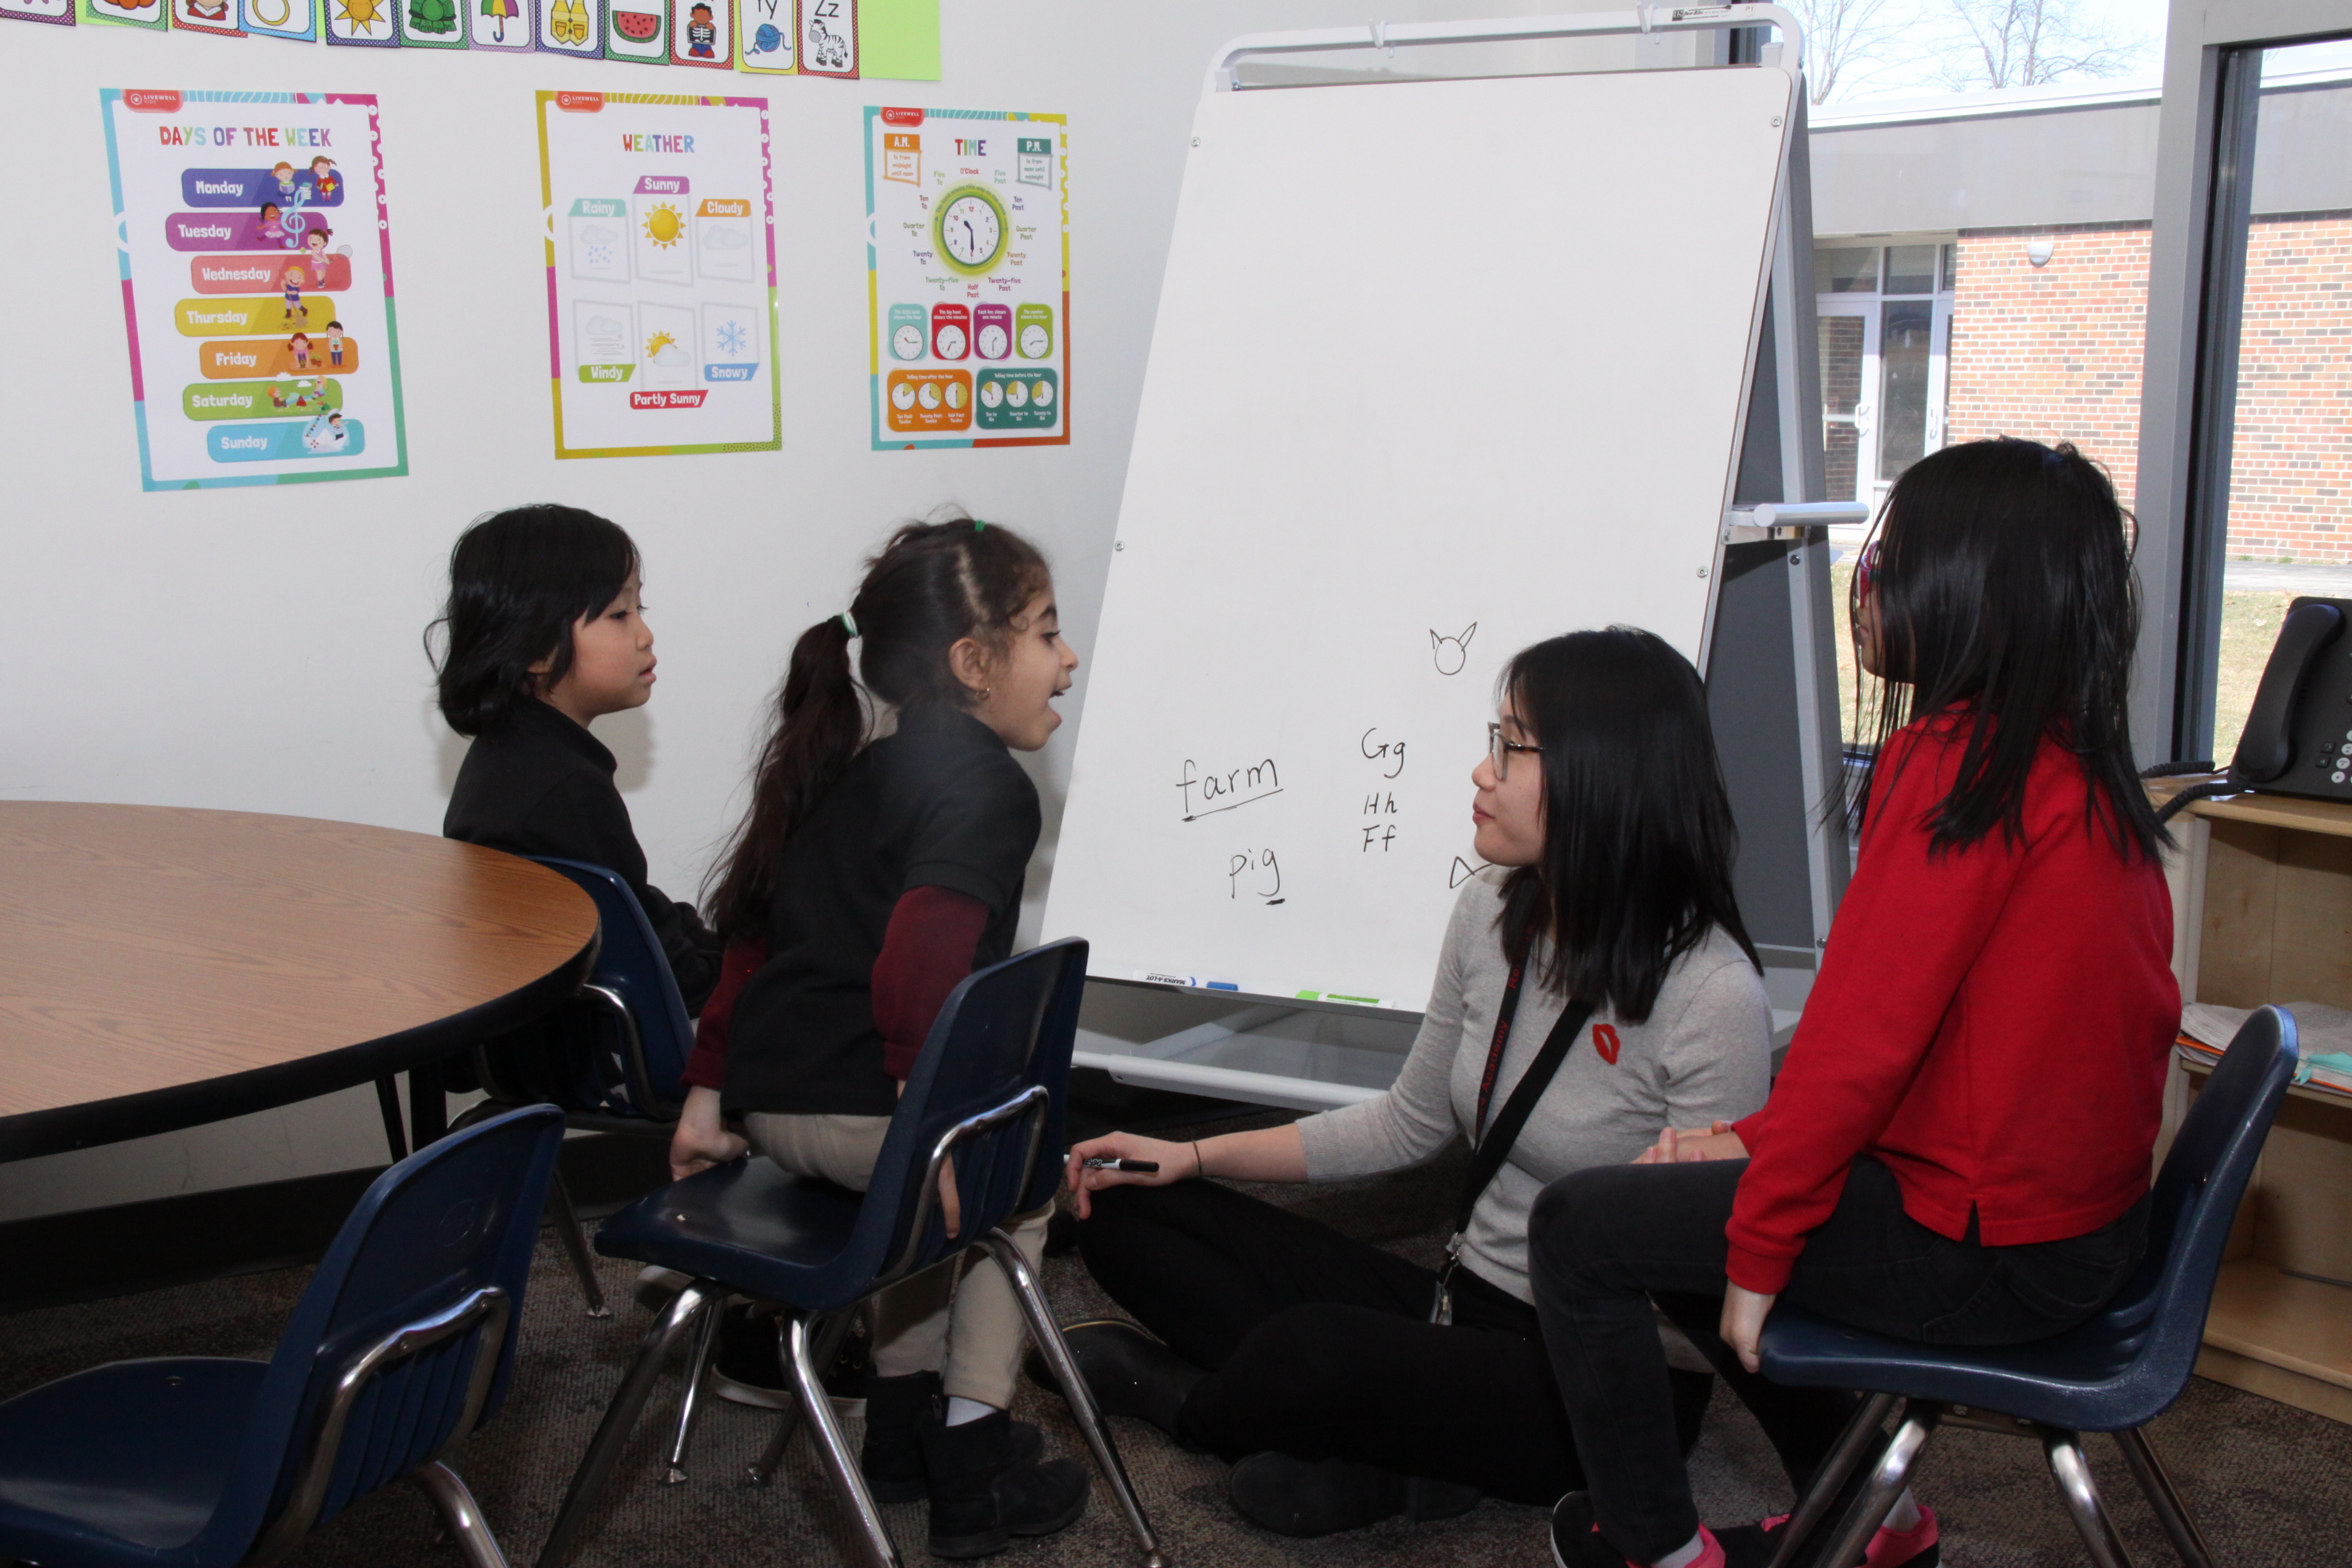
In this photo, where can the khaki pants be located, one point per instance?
(960, 1319)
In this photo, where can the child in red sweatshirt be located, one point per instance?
(1957, 1149)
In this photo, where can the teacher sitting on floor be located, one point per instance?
(1595, 985)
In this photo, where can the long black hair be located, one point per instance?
(2002, 582)
(519, 581)
(932, 586)
(1638, 835)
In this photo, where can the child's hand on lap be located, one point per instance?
(1678, 1146)
(702, 1139)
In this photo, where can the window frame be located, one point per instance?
(1870, 307)
(2205, 148)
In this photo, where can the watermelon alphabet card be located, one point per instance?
(637, 30)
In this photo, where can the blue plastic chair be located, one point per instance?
(401, 1344)
(989, 1089)
(635, 1087)
(2114, 1373)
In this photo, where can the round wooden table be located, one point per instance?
(162, 966)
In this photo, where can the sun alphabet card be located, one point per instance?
(369, 24)
(661, 274)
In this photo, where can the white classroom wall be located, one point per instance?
(258, 649)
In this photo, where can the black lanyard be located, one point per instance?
(1503, 1016)
(1493, 1146)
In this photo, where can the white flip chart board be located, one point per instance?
(1441, 369)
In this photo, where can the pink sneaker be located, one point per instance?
(1913, 1548)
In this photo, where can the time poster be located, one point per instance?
(661, 274)
(968, 215)
(256, 252)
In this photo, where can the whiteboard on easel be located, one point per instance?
(1440, 369)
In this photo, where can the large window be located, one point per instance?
(1885, 322)
(2273, 474)
(1886, 315)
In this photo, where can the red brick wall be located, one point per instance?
(2291, 461)
(2051, 352)
(2054, 353)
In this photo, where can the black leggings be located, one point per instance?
(1320, 1346)
(1605, 1243)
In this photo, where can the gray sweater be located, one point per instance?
(1706, 1051)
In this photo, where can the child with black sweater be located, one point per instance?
(546, 634)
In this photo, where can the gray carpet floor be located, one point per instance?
(2268, 1480)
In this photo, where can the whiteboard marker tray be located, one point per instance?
(1265, 1054)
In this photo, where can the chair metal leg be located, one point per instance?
(1852, 1443)
(2171, 1509)
(690, 1402)
(387, 1102)
(576, 1245)
(827, 1333)
(1886, 1482)
(461, 1513)
(1047, 1334)
(808, 1383)
(621, 1416)
(2070, 1468)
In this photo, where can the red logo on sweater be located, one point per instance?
(1605, 1041)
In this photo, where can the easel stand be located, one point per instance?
(1773, 689)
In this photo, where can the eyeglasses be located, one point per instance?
(1500, 750)
(1865, 573)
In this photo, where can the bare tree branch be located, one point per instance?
(1845, 43)
(2027, 43)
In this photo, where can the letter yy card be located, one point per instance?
(256, 286)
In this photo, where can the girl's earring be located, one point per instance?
(984, 693)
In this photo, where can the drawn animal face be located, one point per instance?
(1452, 653)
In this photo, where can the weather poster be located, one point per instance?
(256, 250)
(661, 274)
(968, 251)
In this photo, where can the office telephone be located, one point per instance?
(2298, 736)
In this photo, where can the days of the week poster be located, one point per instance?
(256, 250)
(661, 274)
(970, 254)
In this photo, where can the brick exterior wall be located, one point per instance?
(2291, 459)
(2054, 353)
(2051, 352)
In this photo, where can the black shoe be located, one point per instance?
(748, 1367)
(1127, 1371)
(1300, 1497)
(897, 1411)
(983, 1494)
(1576, 1541)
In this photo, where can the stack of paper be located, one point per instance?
(2324, 1032)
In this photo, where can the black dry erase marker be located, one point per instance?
(1139, 1167)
